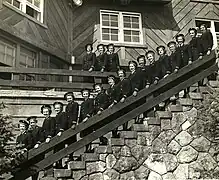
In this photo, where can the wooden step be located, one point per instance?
(117, 141)
(79, 152)
(153, 121)
(62, 173)
(176, 108)
(214, 84)
(164, 114)
(76, 165)
(103, 149)
(185, 101)
(91, 157)
(128, 134)
(140, 128)
(196, 96)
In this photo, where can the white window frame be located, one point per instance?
(212, 29)
(23, 4)
(121, 27)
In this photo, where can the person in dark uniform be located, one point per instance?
(36, 132)
(124, 87)
(100, 103)
(113, 96)
(206, 40)
(89, 59)
(61, 126)
(71, 110)
(182, 52)
(101, 59)
(195, 47)
(48, 127)
(174, 61)
(134, 78)
(87, 108)
(164, 62)
(24, 139)
(112, 59)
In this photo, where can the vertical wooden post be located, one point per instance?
(1, 4)
(17, 61)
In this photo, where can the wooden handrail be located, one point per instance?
(60, 72)
(115, 111)
(115, 123)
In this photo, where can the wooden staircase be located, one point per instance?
(114, 118)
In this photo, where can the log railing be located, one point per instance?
(118, 115)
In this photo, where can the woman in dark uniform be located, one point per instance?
(112, 59)
(101, 59)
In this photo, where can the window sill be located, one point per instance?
(205, 1)
(25, 15)
(117, 44)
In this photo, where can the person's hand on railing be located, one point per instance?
(200, 57)
(190, 62)
(111, 105)
(156, 81)
(48, 140)
(73, 126)
(135, 93)
(36, 146)
(166, 75)
(91, 69)
(99, 112)
(147, 86)
(59, 133)
(175, 70)
(122, 100)
(85, 119)
(24, 150)
(208, 52)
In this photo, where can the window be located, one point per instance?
(121, 27)
(213, 26)
(27, 60)
(7, 52)
(33, 8)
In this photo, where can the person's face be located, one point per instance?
(180, 40)
(69, 98)
(161, 51)
(33, 123)
(192, 33)
(121, 74)
(22, 127)
(132, 67)
(203, 29)
(111, 82)
(46, 112)
(111, 48)
(101, 49)
(172, 47)
(150, 58)
(141, 62)
(89, 48)
(98, 89)
(58, 108)
(85, 94)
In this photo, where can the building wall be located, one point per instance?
(51, 35)
(161, 23)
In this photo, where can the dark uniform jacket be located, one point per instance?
(206, 41)
(183, 55)
(195, 48)
(71, 111)
(165, 65)
(124, 88)
(89, 61)
(154, 72)
(143, 74)
(174, 61)
(87, 108)
(48, 127)
(36, 134)
(100, 102)
(62, 122)
(135, 81)
(113, 94)
(112, 62)
(101, 62)
(25, 139)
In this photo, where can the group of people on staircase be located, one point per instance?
(146, 74)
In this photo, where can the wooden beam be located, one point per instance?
(1, 2)
(205, 1)
(175, 77)
(60, 72)
(113, 124)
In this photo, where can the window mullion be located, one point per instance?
(121, 26)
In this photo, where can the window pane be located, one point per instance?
(127, 38)
(105, 23)
(105, 31)
(10, 51)
(114, 31)
(16, 4)
(216, 26)
(135, 19)
(127, 25)
(37, 3)
(134, 25)
(10, 60)
(114, 18)
(106, 37)
(30, 1)
(114, 37)
(127, 19)
(126, 32)
(105, 17)
(136, 39)
(135, 33)
(2, 48)
(9, 1)
(114, 24)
